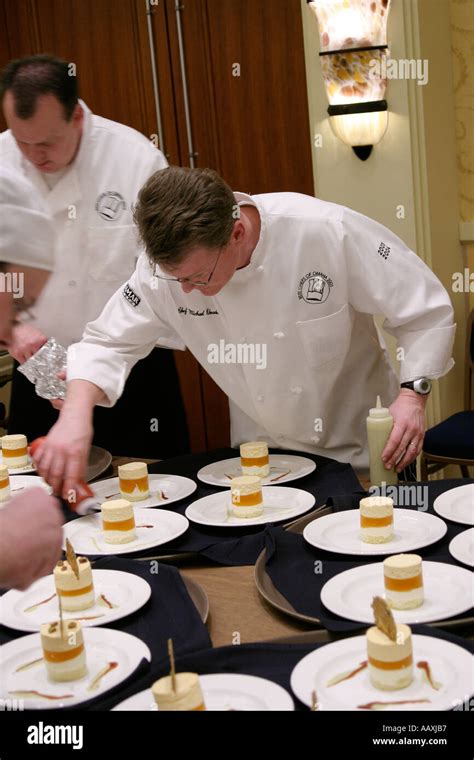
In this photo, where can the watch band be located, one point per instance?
(421, 386)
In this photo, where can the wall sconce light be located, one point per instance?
(353, 35)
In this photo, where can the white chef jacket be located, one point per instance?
(316, 278)
(97, 246)
(26, 230)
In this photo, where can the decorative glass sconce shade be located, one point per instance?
(353, 37)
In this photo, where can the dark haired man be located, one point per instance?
(88, 171)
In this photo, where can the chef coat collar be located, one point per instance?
(67, 190)
(258, 254)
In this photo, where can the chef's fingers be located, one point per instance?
(75, 469)
(52, 468)
(57, 403)
(399, 452)
(393, 444)
(410, 454)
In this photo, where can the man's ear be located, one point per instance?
(78, 116)
(238, 231)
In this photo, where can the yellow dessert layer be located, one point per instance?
(75, 591)
(375, 522)
(391, 665)
(403, 584)
(128, 486)
(119, 525)
(63, 656)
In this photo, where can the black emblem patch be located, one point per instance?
(131, 296)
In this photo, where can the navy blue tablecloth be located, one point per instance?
(169, 613)
(241, 545)
(272, 661)
(290, 560)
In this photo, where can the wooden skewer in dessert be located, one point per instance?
(178, 691)
(389, 650)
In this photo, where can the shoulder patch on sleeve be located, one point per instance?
(131, 296)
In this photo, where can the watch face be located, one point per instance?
(423, 386)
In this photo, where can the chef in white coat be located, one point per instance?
(31, 522)
(88, 171)
(275, 296)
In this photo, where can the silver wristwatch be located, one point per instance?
(421, 386)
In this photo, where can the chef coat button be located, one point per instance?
(315, 438)
(297, 390)
(279, 335)
(72, 283)
(260, 269)
(260, 398)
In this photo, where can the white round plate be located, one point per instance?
(462, 547)
(457, 504)
(448, 592)
(20, 470)
(19, 484)
(278, 504)
(451, 666)
(225, 692)
(124, 591)
(340, 533)
(86, 533)
(220, 473)
(174, 487)
(103, 646)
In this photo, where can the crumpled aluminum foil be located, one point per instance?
(42, 370)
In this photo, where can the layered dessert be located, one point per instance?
(246, 495)
(403, 578)
(254, 458)
(4, 483)
(133, 480)
(63, 650)
(187, 696)
(15, 451)
(376, 519)
(118, 521)
(75, 589)
(389, 650)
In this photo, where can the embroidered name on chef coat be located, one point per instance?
(131, 296)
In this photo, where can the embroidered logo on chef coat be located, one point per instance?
(315, 287)
(384, 251)
(131, 296)
(110, 206)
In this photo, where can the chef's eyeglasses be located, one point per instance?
(188, 280)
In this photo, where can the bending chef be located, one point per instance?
(294, 278)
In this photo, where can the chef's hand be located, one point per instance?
(26, 340)
(61, 459)
(58, 403)
(30, 538)
(408, 412)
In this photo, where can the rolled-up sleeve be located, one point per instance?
(385, 277)
(128, 329)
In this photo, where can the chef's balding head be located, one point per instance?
(26, 248)
(41, 107)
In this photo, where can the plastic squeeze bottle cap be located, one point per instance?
(379, 411)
